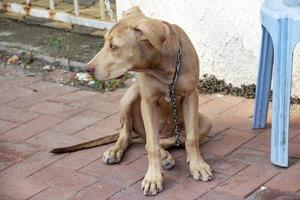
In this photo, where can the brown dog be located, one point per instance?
(149, 46)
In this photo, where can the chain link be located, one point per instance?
(172, 94)
(110, 12)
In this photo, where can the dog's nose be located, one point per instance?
(90, 69)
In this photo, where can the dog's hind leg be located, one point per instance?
(168, 162)
(114, 154)
(204, 125)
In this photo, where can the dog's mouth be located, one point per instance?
(106, 75)
(102, 75)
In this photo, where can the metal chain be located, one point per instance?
(172, 95)
(110, 12)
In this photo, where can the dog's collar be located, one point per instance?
(172, 95)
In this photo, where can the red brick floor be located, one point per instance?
(36, 116)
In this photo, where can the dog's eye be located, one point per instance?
(113, 47)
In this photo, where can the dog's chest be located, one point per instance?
(165, 107)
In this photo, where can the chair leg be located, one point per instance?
(281, 95)
(263, 80)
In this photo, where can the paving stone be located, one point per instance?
(294, 150)
(80, 159)
(240, 123)
(31, 128)
(218, 105)
(250, 156)
(102, 189)
(180, 170)
(191, 189)
(16, 115)
(105, 127)
(296, 139)
(262, 141)
(11, 153)
(140, 164)
(238, 155)
(248, 180)
(243, 110)
(135, 151)
(295, 120)
(216, 129)
(18, 189)
(29, 165)
(97, 103)
(270, 194)
(123, 175)
(49, 139)
(7, 97)
(51, 89)
(226, 166)
(116, 95)
(19, 79)
(55, 109)
(63, 183)
(177, 152)
(10, 93)
(26, 101)
(5, 126)
(203, 99)
(215, 195)
(226, 142)
(78, 122)
(74, 96)
(134, 192)
(287, 180)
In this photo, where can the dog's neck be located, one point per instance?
(164, 75)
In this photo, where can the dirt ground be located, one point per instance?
(53, 42)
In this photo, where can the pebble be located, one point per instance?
(263, 188)
(47, 68)
(91, 83)
(84, 77)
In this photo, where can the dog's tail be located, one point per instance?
(86, 145)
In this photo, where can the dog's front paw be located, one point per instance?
(112, 155)
(200, 170)
(152, 183)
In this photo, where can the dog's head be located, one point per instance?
(135, 43)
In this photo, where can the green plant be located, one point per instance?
(112, 84)
(55, 43)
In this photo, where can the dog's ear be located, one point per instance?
(152, 30)
(162, 37)
(133, 10)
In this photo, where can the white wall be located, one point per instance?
(226, 34)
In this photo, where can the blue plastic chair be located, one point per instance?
(280, 21)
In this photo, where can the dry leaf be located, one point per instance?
(13, 59)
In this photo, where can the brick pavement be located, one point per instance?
(36, 116)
